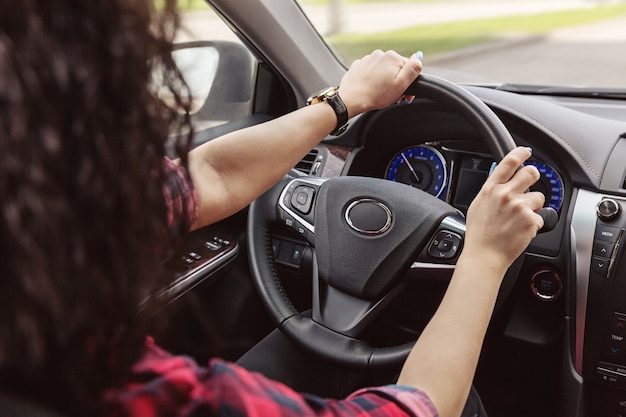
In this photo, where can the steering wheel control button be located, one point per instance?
(302, 199)
(289, 253)
(300, 229)
(288, 193)
(368, 217)
(608, 209)
(445, 245)
(546, 285)
(289, 221)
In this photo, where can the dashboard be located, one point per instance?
(568, 300)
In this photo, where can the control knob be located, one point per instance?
(608, 209)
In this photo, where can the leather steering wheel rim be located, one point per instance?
(336, 347)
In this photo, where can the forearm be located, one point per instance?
(230, 172)
(233, 170)
(501, 221)
(443, 361)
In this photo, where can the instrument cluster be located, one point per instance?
(457, 176)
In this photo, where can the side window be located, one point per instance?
(219, 69)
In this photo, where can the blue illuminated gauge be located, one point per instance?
(421, 167)
(550, 184)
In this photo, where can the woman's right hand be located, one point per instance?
(502, 219)
(377, 80)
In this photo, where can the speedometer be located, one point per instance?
(549, 184)
(421, 167)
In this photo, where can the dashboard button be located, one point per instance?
(600, 266)
(610, 377)
(616, 348)
(603, 249)
(213, 245)
(546, 285)
(618, 325)
(608, 209)
(607, 233)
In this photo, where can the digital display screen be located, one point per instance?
(472, 174)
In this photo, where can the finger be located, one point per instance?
(505, 170)
(539, 223)
(410, 70)
(534, 199)
(539, 220)
(524, 178)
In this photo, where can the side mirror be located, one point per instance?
(198, 65)
(220, 76)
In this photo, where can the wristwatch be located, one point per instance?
(330, 95)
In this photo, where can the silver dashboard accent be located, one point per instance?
(432, 266)
(454, 224)
(310, 180)
(583, 228)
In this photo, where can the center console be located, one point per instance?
(598, 226)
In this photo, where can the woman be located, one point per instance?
(83, 182)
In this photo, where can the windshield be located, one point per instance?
(578, 43)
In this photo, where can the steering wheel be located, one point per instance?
(366, 233)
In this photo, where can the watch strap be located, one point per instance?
(331, 96)
(342, 114)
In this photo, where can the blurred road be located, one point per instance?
(588, 55)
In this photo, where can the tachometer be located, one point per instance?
(550, 184)
(421, 167)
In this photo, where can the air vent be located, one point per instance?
(307, 165)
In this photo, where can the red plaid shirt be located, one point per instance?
(164, 385)
(179, 194)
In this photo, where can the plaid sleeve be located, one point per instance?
(180, 195)
(164, 385)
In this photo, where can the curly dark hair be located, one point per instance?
(83, 222)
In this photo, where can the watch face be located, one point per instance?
(322, 95)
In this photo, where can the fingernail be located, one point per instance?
(493, 166)
(529, 149)
(419, 55)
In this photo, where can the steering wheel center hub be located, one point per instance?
(369, 217)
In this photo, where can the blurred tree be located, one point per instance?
(335, 17)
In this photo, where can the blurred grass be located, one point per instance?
(325, 2)
(189, 5)
(437, 38)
